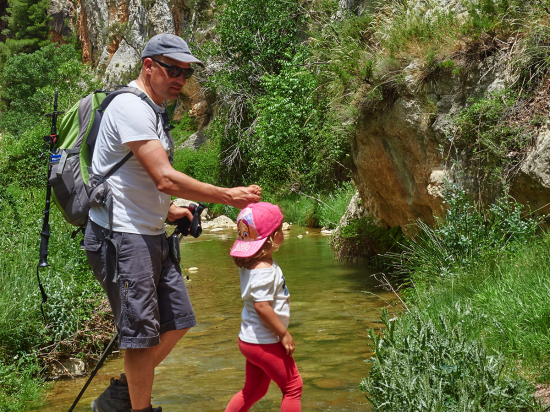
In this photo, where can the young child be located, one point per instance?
(264, 340)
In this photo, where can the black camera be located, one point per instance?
(185, 227)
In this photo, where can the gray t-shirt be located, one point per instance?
(139, 207)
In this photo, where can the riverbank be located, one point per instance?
(474, 335)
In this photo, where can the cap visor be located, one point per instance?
(185, 58)
(246, 249)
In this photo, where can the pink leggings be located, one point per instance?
(265, 363)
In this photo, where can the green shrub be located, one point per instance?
(489, 137)
(202, 164)
(424, 364)
(510, 299)
(254, 35)
(323, 210)
(464, 236)
(21, 387)
(72, 292)
(28, 85)
(29, 82)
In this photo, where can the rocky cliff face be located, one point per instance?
(113, 33)
(402, 144)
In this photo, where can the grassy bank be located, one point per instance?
(474, 333)
(28, 343)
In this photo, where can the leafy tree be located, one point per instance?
(254, 35)
(28, 27)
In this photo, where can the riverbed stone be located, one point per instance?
(69, 367)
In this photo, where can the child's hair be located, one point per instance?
(268, 246)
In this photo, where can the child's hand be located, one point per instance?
(288, 343)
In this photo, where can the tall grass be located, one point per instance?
(72, 293)
(477, 320)
(430, 364)
(322, 210)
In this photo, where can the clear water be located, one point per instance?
(332, 306)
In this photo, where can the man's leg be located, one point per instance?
(139, 365)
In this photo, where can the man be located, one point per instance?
(131, 259)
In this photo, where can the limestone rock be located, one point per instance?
(220, 222)
(195, 141)
(184, 202)
(62, 13)
(70, 367)
(531, 185)
(397, 149)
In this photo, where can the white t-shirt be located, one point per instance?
(261, 285)
(139, 207)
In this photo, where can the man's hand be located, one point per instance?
(175, 213)
(243, 196)
(288, 343)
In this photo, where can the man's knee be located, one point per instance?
(174, 334)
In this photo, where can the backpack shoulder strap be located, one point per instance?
(160, 113)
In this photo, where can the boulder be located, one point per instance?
(184, 202)
(195, 141)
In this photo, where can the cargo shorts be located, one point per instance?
(146, 291)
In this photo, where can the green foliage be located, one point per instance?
(490, 16)
(363, 237)
(487, 134)
(254, 35)
(416, 24)
(72, 292)
(28, 27)
(464, 236)
(21, 389)
(272, 127)
(323, 210)
(534, 63)
(28, 85)
(183, 128)
(288, 145)
(421, 363)
(202, 164)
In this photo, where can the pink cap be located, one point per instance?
(255, 223)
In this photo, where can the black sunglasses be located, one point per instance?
(175, 71)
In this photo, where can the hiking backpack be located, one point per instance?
(71, 163)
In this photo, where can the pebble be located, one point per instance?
(300, 236)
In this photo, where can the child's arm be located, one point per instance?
(271, 320)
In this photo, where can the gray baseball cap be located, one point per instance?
(169, 45)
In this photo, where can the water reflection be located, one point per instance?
(332, 306)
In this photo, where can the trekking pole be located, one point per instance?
(99, 363)
(45, 232)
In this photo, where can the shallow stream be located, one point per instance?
(332, 305)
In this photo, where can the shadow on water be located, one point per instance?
(332, 305)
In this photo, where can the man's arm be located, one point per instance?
(152, 156)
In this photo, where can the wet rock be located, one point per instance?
(69, 367)
(286, 226)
